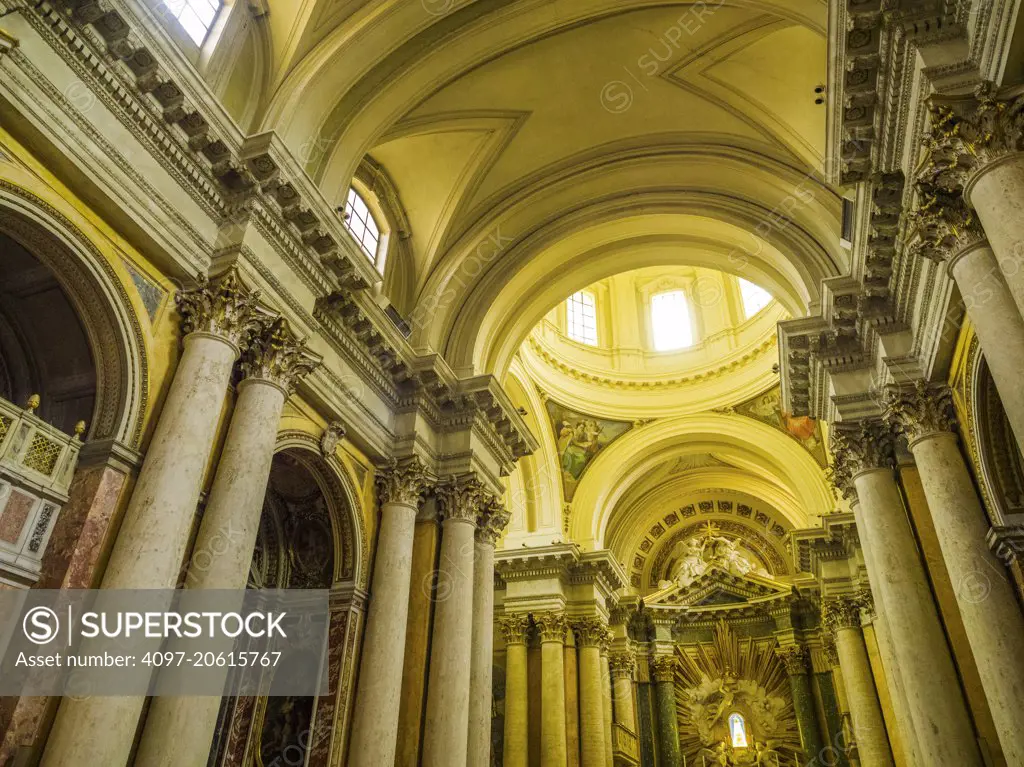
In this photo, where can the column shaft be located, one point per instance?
(795, 658)
(482, 658)
(516, 694)
(606, 695)
(997, 196)
(999, 325)
(151, 543)
(445, 739)
(375, 724)
(572, 702)
(865, 710)
(937, 709)
(551, 627)
(663, 671)
(625, 711)
(591, 707)
(985, 596)
(179, 730)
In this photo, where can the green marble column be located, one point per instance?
(646, 724)
(664, 669)
(795, 658)
(836, 754)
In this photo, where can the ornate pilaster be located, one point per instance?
(276, 356)
(794, 658)
(921, 410)
(402, 483)
(221, 307)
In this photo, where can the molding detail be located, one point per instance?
(923, 410)
(402, 483)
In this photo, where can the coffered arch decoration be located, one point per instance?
(350, 546)
(102, 305)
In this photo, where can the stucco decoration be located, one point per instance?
(711, 549)
(730, 676)
(579, 438)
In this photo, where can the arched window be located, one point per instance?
(737, 731)
(754, 298)
(581, 317)
(195, 16)
(670, 321)
(361, 223)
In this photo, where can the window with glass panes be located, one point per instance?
(581, 317)
(361, 224)
(755, 298)
(670, 321)
(195, 16)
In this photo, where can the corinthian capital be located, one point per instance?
(402, 482)
(276, 355)
(860, 446)
(491, 520)
(966, 134)
(514, 628)
(590, 631)
(794, 658)
(841, 613)
(921, 410)
(222, 307)
(944, 223)
(622, 664)
(461, 498)
(551, 626)
(663, 667)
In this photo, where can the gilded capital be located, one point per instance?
(861, 446)
(402, 482)
(920, 410)
(491, 520)
(514, 628)
(944, 223)
(841, 613)
(663, 667)
(794, 658)
(276, 355)
(622, 664)
(589, 631)
(551, 626)
(223, 307)
(461, 498)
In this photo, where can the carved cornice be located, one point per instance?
(663, 667)
(841, 613)
(514, 628)
(402, 482)
(461, 498)
(589, 631)
(794, 658)
(551, 626)
(920, 410)
(276, 355)
(858, 447)
(223, 307)
(623, 664)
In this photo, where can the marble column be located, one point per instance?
(842, 616)
(590, 634)
(513, 629)
(988, 603)
(606, 695)
(572, 701)
(446, 735)
(491, 521)
(952, 233)
(218, 318)
(552, 626)
(375, 724)
(944, 735)
(179, 729)
(663, 668)
(623, 666)
(796, 660)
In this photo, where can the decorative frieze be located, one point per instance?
(794, 658)
(276, 355)
(663, 667)
(223, 307)
(514, 628)
(551, 626)
(402, 482)
(920, 410)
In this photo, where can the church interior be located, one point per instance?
(629, 372)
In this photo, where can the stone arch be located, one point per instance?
(112, 327)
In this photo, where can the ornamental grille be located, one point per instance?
(42, 455)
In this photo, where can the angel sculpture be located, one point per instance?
(691, 560)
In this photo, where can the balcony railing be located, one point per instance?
(625, 747)
(37, 462)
